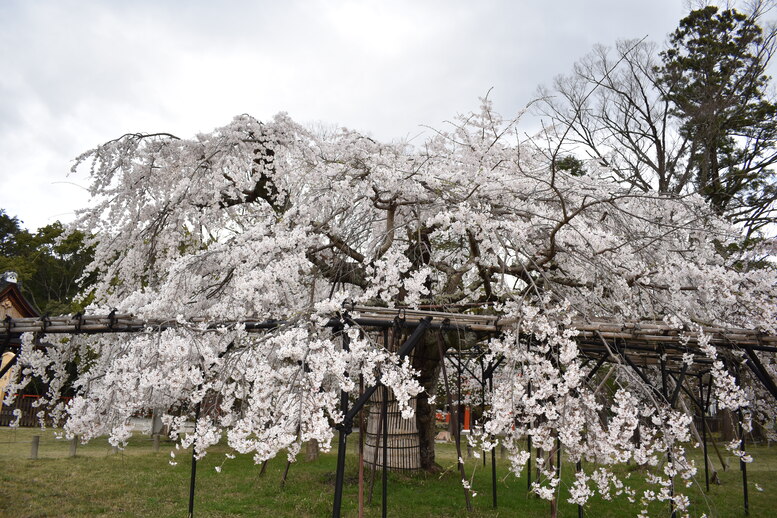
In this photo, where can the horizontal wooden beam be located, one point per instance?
(648, 334)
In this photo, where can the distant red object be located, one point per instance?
(443, 417)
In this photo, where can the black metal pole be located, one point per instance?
(493, 477)
(528, 435)
(704, 435)
(596, 367)
(529, 449)
(341, 445)
(665, 394)
(482, 399)
(362, 431)
(384, 419)
(678, 385)
(493, 451)
(760, 371)
(742, 463)
(194, 464)
(578, 468)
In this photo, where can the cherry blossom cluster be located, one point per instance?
(275, 222)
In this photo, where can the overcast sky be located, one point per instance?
(77, 73)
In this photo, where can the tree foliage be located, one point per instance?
(272, 220)
(695, 117)
(714, 74)
(50, 265)
(612, 109)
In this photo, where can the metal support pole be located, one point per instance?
(665, 394)
(194, 464)
(596, 367)
(493, 454)
(760, 371)
(482, 400)
(361, 451)
(678, 385)
(529, 449)
(528, 435)
(578, 468)
(341, 445)
(493, 477)
(384, 419)
(742, 463)
(704, 435)
(8, 366)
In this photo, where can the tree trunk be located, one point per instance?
(426, 360)
(728, 428)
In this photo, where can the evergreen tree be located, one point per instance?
(49, 268)
(713, 73)
(696, 117)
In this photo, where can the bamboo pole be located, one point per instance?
(636, 332)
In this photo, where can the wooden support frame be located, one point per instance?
(646, 343)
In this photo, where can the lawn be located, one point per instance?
(139, 482)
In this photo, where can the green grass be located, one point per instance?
(139, 482)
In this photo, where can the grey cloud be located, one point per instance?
(73, 74)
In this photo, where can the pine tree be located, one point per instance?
(713, 73)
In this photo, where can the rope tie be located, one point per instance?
(46, 322)
(79, 318)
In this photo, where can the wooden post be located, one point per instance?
(311, 450)
(34, 446)
(73, 446)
